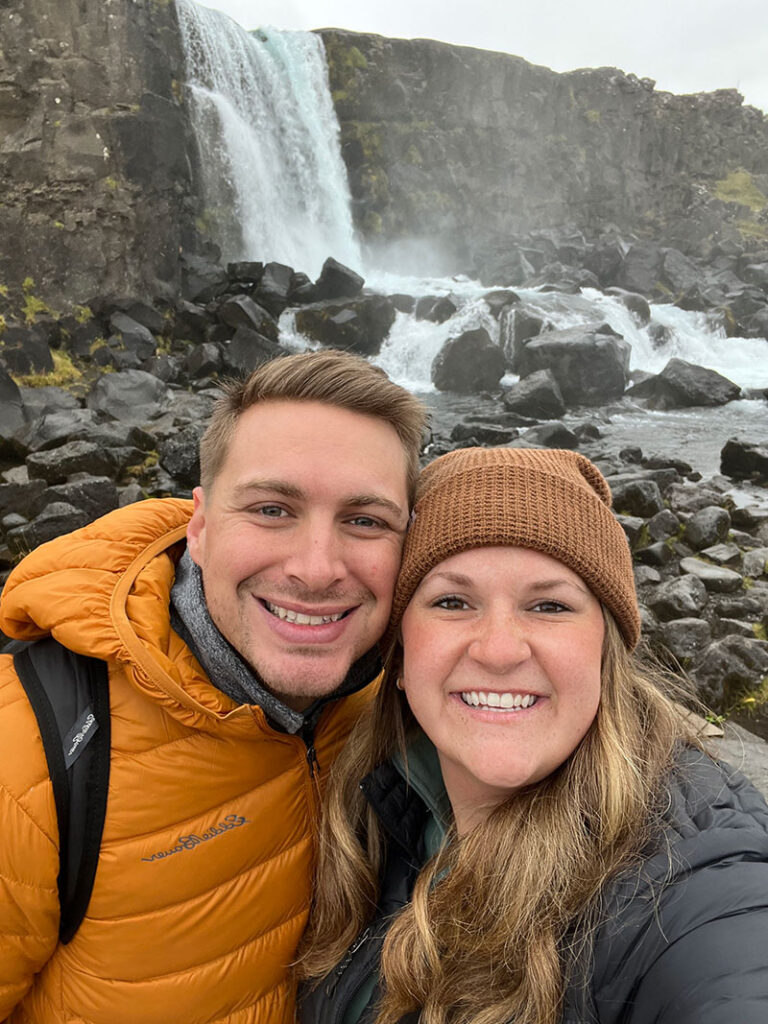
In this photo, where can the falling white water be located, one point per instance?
(275, 186)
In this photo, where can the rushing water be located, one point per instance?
(274, 183)
(276, 188)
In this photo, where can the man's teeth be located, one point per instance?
(299, 618)
(503, 701)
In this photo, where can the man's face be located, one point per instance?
(299, 542)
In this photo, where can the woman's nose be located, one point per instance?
(500, 642)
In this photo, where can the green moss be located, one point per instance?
(760, 631)
(111, 183)
(355, 59)
(32, 307)
(82, 314)
(3, 325)
(739, 187)
(64, 372)
(749, 229)
(593, 116)
(96, 344)
(4, 291)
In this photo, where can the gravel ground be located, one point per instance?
(745, 751)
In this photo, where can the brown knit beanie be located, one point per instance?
(552, 501)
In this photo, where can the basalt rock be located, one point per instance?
(468, 364)
(744, 460)
(591, 367)
(360, 325)
(681, 385)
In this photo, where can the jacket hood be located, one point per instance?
(104, 590)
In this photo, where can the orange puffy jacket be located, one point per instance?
(203, 881)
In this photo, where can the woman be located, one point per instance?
(537, 838)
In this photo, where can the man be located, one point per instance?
(237, 666)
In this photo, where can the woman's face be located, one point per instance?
(502, 651)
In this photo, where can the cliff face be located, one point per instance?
(94, 167)
(464, 146)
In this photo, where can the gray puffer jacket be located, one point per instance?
(684, 939)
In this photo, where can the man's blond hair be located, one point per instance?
(332, 377)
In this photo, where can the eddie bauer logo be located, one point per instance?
(80, 736)
(190, 842)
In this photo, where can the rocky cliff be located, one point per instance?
(94, 168)
(464, 147)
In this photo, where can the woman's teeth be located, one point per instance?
(299, 618)
(500, 701)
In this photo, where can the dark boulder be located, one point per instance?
(642, 268)
(56, 465)
(360, 325)
(517, 325)
(681, 385)
(550, 435)
(537, 395)
(133, 336)
(636, 497)
(436, 309)
(744, 460)
(681, 598)
(274, 288)
(24, 351)
(706, 527)
(180, 455)
(242, 311)
(56, 519)
(94, 495)
(468, 364)
(131, 396)
(202, 361)
(729, 669)
(201, 280)
(637, 305)
(337, 281)
(248, 350)
(11, 413)
(590, 366)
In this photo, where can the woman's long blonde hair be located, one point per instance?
(500, 916)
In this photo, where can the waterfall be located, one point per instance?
(274, 183)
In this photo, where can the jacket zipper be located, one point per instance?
(359, 942)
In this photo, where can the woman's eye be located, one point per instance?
(451, 602)
(550, 606)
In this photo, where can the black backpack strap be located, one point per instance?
(69, 694)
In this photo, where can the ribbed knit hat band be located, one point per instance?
(552, 501)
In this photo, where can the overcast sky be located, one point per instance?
(685, 45)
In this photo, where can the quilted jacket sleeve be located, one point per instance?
(692, 947)
(716, 974)
(29, 858)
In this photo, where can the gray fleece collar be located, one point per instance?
(229, 672)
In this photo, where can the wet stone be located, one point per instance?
(715, 578)
(681, 598)
(723, 554)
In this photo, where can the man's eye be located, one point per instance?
(451, 603)
(271, 511)
(367, 522)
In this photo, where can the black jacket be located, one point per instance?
(684, 939)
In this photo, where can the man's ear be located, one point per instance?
(196, 527)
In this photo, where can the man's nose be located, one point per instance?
(316, 557)
(500, 642)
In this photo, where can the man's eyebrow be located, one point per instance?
(366, 500)
(288, 490)
(270, 486)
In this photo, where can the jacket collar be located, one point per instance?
(406, 792)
